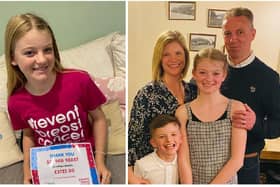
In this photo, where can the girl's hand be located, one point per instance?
(27, 179)
(27, 143)
(104, 174)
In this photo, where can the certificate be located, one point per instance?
(63, 164)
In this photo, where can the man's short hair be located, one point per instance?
(240, 11)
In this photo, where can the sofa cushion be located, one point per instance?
(3, 84)
(112, 87)
(9, 150)
(94, 57)
(118, 52)
(116, 128)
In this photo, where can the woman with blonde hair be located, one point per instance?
(162, 95)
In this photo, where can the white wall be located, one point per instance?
(146, 20)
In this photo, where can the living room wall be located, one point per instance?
(73, 22)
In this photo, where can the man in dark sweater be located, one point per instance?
(254, 83)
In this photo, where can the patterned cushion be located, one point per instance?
(112, 87)
(118, 51)
(9, 150)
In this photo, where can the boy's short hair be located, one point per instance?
(162, 120)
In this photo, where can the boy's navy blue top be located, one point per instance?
(258, 86)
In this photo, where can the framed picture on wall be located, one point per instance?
(215, 18)
(200, 41)
(181, 10)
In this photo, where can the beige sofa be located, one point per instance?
(104, 59)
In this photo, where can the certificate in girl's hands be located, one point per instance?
(63, 164)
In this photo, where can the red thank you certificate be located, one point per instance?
(63, 164)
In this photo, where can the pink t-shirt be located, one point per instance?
(61, 115)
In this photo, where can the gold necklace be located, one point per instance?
(179, 96)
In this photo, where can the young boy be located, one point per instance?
(160, 166)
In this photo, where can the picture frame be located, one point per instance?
(198, 41)
(215, 18)
(181, 10)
